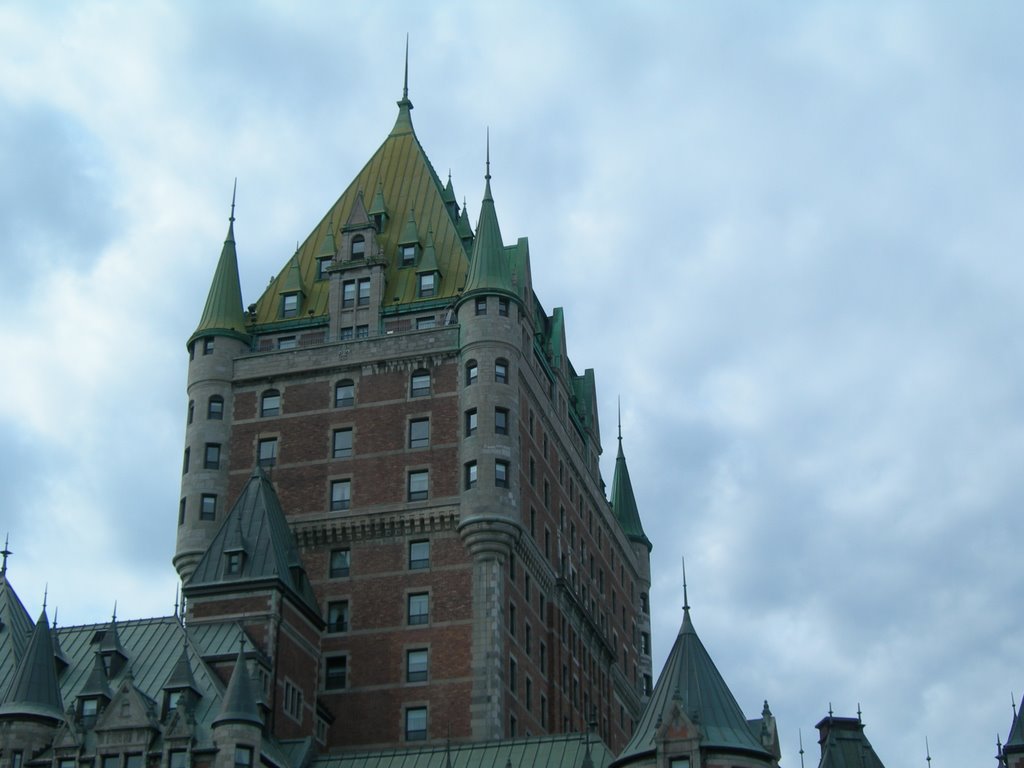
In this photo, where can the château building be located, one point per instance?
(393, 536)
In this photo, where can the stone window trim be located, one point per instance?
(417, 664)
(340, 563)
(416, 719)
(417, 603)
(342, 442)
(339, 615)
(344, 393)
(215, 408)
(419, 383)
(417, 484)
(270, 403)
(419, 432)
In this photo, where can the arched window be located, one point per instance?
(215, 407)
(471, 372)
(420, 385)
(344, 393)
(358, 248)
(270, 403)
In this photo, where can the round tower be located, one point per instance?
(220, 338)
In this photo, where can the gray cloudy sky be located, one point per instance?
(788, 234)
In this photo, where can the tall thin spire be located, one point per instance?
(686, 597)
(487, 175)
(6, 552)
(234, 190)
(618, 405)
(405, 82)
(928, 752)
(800, 735)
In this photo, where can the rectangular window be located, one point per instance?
(419, 555)
(287, 342)
(501, 372)
(336, 673)
(185, 461)
(346, 334)
(341, 560)
(364, 293)
(342, 443)
(270, 404)
(527, 634)
(416, 724)
(503, 307)
(208, 506)
(348, 293)
(512, 619)
(290, 305)
(500, 473)
(543, 659)
(427, 285)
(268, 452)
(362, 331)
(211, 459)
(513, 674)
(470, 474)
(419, 484)
(215, 408)
(181, 512)
(420, 386)
(501, 421)
(292, 701)
(472, 372)
(322, 266)
(419, 608)
(130, 761)
(471, 422)
(481, 306)
(344, 394)
(16, 757)
(419, 433)
(208, 346)
(528, 693)
(424, 323)
(337, 616)
(416, 665)
(408, 255)
(341, 495)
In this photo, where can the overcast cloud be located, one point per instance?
(787, 234)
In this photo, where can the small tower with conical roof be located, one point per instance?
(220, 337)
(237, 728)
(1013, 750)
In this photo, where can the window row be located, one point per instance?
(502, 473)
(214, 408)
(500, 371)
(417, 489)
(480, 306)
(501, 421)
(417, 612)
(417, 669)
(207, 508)
(340, 564)
(344, 391)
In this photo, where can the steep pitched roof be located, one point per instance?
(223, 314)
(239, 704)
(1015, 739)
(257, 524)
(624, 502)
(34, 690)
(691, 681)
(844, 745)
(15, 631)
(403, 180)
(489, 270)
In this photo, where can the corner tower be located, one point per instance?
(220, 337)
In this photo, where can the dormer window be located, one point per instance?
(358, 248)
(407, 254)
(90, 706)
(290, 305)
(323, 266)
(173, 697)
(233, 563)
(427, 285)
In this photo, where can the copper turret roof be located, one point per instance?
(223, 314)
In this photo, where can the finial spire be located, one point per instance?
(859, 718)
(686, 598)
(113, 616)
(176, 592)
(405, 82)
(6, 551)
(618, 403)
(1013, 704)
(234, 189)
(55, 618)
(487, 175)
(928, 752)
(46, 592)
(800, 735)
(830, 709)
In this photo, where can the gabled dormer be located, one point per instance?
(408, 243)
(448, 197)
(235, 550)
(358, 236)
(428, 275)
(115, 658)
(291, 292)
(180, 690)
(129, 722)
(378, 210)
(326, 254)
(94, 695)
(464, 228)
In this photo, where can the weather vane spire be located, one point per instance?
(686, 597)
(6, 552)
(618, 404)
(234, 189)
(405, 82)
(487, 175)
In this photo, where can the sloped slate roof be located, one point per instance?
(34, 690)
(624, 502)
(844, 744)
(690, 678)
(239, 704)
(561, 751)
(402, 174)
(15, 632)
(270, 550)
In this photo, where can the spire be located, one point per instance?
(404, 122)
(463, 226)
(223, 314)
(34, 690)
(428, 263)
(489, 270)
(1015, 738)
(6, 552)
(181, 676)
(239, 705)
(624, 502)
(96, 683)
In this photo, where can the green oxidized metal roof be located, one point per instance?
(428, 262)
(34, 690)
(844, 744)
(561, 751)
(690, 680)
(404, 181)
(96, 684)
(239, 705)
(15, 631)
(624, 502)
(1015, 739)
(223, 314)
(489, 269)
(257, 525)
(464, 228)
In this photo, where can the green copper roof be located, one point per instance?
(463, 227)
(844, 745)
(15, 631)
(428, 262)
(328, 248)
(257, 524)
(691, 681)
(293, 279)
(448, 193)
(561, 751)
(624, 503)
(223, 314)
(96, 684)
(409, 235)
(404, 180)
(34, 690)
(488, 266)
(239, 701)
(181, 676)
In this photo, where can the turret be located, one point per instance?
(220, 337)
(237, 728)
